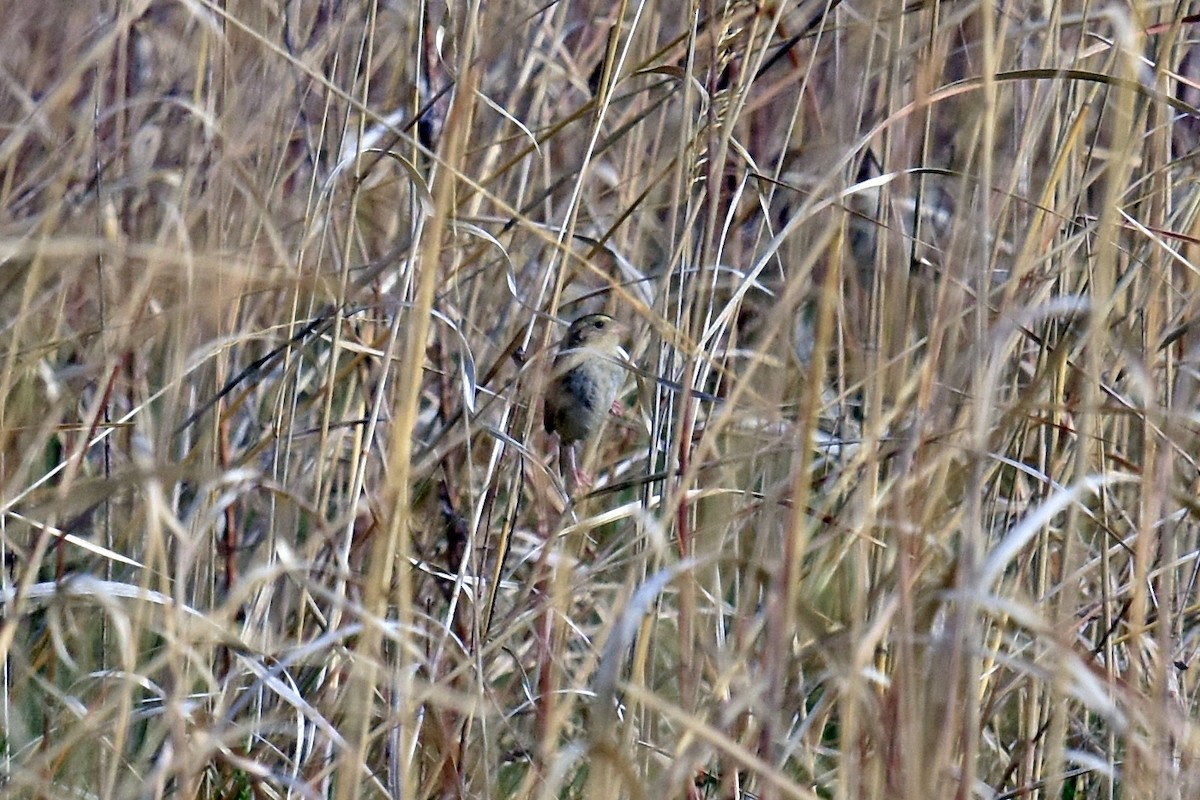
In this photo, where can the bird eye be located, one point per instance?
(600, 323)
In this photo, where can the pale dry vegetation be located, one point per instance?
(902, 503)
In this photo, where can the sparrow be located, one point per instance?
(586, 379)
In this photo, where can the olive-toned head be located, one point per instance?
(591, 329)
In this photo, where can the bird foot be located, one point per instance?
(579, 478)
(582, 479)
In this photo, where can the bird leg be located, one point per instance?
(579, 478)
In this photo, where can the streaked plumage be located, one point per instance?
(586, 380)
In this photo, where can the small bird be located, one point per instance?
(587, 377)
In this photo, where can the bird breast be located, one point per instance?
(581, 398)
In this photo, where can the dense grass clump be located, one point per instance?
(902, 501)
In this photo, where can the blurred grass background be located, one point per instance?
(903, 500)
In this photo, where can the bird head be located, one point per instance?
(594, 330)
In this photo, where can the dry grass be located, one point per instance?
(903, 505)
